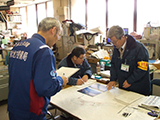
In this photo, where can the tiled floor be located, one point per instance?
(3, 110)
(4, 113)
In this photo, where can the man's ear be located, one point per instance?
(74, 57)
(53, 30)
(123, 37)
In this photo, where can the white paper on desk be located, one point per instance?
(105, 73)
(98, 86)
(151, 101)
(137, 115)
(66, 71)
(128, 97)
(100, 54)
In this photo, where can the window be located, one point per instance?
(96, 14)
(24, 25)
(41, 12)
(120, 12)
(78, 11)
(50, 10)
(32, 25)
(147, 11)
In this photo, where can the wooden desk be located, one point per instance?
(100, 107)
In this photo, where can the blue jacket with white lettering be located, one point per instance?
(32, 78)
(136, 58)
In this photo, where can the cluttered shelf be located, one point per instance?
(95, 55)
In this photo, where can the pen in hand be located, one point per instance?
(81, 79)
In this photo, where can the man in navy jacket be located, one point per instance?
(77, 60)
(129, 64)
(32, 73)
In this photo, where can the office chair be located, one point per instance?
(50, 116)
(156, 87)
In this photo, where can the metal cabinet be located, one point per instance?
(4, 77)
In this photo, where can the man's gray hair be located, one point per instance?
(49, 22)
(116, 31)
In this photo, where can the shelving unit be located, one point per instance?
(3, 22)
(153, 46)
(13, 20)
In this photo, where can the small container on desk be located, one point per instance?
(99, 78)
(107, 63)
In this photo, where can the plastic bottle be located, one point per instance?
(98, 68)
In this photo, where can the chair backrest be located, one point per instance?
(156, 90)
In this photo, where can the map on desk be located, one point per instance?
(100, 87)
(93, 89)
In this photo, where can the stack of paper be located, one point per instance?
(100, 54)
(151, 102)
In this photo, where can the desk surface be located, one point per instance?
(100, 107)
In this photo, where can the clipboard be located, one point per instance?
(66, 71)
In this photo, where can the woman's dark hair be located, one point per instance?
(77, 51)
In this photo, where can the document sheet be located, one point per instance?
(128, 97)
(66, 71)
(93, 89)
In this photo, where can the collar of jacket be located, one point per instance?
(131, 42)
(69, 61)
(39, 37)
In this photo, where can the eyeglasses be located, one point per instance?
(82, 58)
(114, 42)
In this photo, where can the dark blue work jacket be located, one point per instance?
(85, 69)
(32, 78)
(136, 57)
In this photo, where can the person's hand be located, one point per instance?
(80, 82)
(65, 80)
(125, 84)
(110, 84)
(85, 78)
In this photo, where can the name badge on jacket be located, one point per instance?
(125, 67)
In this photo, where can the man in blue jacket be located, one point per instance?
(129, 64)
(32, 73)
(77, 60)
